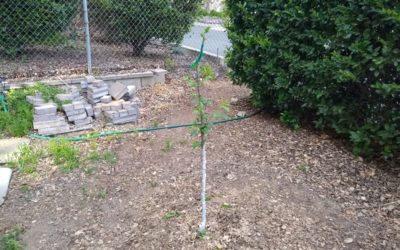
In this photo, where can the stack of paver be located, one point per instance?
(96, 90)
(79, 112)
(116, 103)
(118, 112)
(46, 120)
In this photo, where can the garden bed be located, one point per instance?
(269, 187)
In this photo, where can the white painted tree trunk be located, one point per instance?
(203, 187)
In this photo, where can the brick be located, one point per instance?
(44, 118)
(106, 99)
(132, 111)
(123, 120)
(50, 108)
(98, 115)
(123, 113)
(93, 89)
(126, 105)
(94, 96)
(35, 100)
(99, 83)
(111, 114)
(106, 107)
(77, 117)
(68, 107)
(89, 110)
(84, 84)
(48, 124)
(131, 90)
(78, 105)
(115, 106)
(54, 130)
(118, 90)
(85, 121)
(89, 79)
(76, 112)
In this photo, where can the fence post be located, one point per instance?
(87, 37)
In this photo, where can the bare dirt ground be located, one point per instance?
(70, 62)
(285, 189)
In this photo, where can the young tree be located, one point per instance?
(202, 124)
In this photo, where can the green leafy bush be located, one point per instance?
(135, 22)
(334, 63)
(24, 23)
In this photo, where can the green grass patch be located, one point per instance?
(11, 240)
(108, 157)
(168, 146)
(171, 214)
(64, 154)
(27, 158)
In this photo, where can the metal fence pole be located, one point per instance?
(87, 37)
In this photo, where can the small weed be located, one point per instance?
(108, 156)
(226, 205)
(155, 123)
(27, 158)
(208, 197)
(25, 189)
(102, 194)
(65, 155)
(168, 146)
(201, 234)
(207, 72)
(304, 168)
(84, 190)
(89, 170)
(169, 64)
(11, 240)
(153, 184)
(171, 214)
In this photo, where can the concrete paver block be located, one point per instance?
(45, 109)
(118, 90)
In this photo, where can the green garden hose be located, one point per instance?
(117, 132)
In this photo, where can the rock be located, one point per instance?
(241, 114)
(234, 100)
(348, 240)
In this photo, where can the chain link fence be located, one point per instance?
(47, 38)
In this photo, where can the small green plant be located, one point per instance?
(27, 158)
(11, 240)
(102, 194)
(169, 64)
(168, 146)
(226, 205)
(64, 154)
(153, 184)
(108, 157)
(85, 190)
(304, 168)
(171, 214)
(89, 170)
(207, 72)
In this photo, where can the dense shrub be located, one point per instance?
(30, 22)
(135, 22)
(335, 63)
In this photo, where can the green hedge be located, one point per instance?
(31, 22)
(333, 63)
(135, 22)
